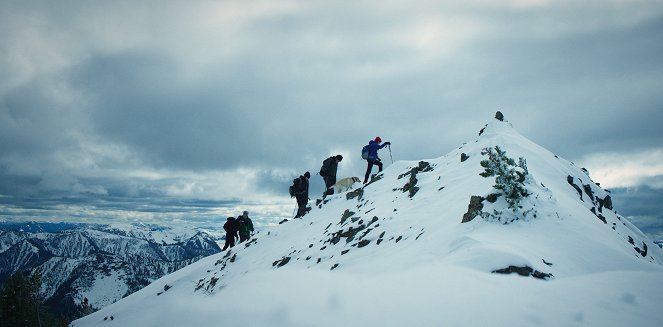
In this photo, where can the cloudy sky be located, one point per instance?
(192, 110)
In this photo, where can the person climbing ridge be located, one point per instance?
(231, 227)
(300, 191)
(372, 156)
(245, 226)
(328, 172)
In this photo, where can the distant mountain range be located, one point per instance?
(102, 263)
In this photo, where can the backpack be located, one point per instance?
(325, 166)
(364, 152)
(294, 187)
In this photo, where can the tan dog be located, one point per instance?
(345, 184)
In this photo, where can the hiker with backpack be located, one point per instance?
(328, 173)
(231, 227)
(370, 153)
(245, 226)
(299, 190)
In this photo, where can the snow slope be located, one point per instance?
(395, 252)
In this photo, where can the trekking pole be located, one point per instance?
(392, 158)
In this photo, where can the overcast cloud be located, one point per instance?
(113, 109)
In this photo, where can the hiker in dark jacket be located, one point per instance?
(231, 227)
(301, 193)
(245, 226)
(328, 172)
(373, 159)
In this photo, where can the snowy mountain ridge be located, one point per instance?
(430, 242)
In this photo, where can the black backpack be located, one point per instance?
(325, 166)
(294, 187)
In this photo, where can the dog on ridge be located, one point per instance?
(345, 184)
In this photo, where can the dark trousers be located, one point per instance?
(230, 241)
(329, 182)
(243, 237)
(302, 201)
(372, 162)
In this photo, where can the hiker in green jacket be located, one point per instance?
(245, 226)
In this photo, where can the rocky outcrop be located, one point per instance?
(411, 186)
(473, 209)
(525, 271)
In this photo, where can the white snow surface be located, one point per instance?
(417, 264)
(106, 289)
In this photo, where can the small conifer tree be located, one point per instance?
(21, 302)
(509, 176)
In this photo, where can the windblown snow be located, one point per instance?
(396, 252)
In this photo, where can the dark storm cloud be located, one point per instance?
(109, 207)
(639, 201)
(643, 206)
(37, 119)
(219, 122)
(139, 101)
(597, 86)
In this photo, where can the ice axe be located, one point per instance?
(392, 158)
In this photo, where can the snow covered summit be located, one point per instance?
(497, 232)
